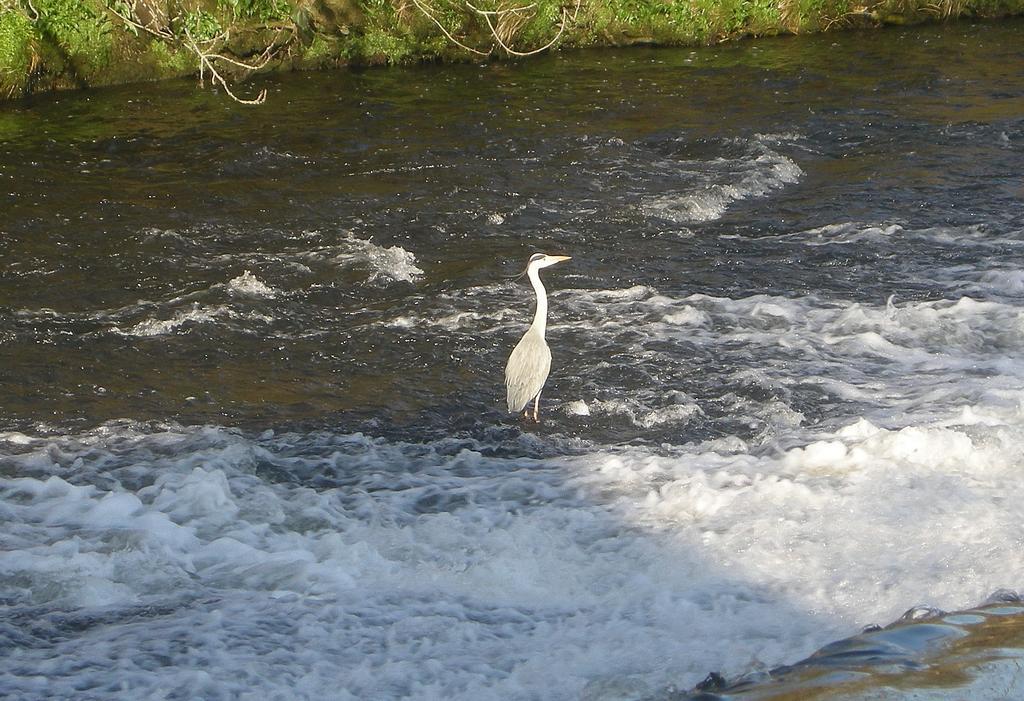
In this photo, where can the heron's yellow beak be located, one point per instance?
(559, 259)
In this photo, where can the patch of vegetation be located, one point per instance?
(320, 52)
(385, 39)
(79, 32)
(760, 17)
(380, 47)
(540, 27)
(170, 61)
(260, 10)
(16, 52)
(201, 25)
(627, 21)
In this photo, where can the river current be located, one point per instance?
(252, 434)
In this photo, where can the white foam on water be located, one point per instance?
(428, 573)
(477, 309)
(722, 182)
(182, 312)
(454, 321)
(640, 415)
(875, 354)
(182, 320)
(293, 256)
(845, 233)
(976, 236)
(576, 408)
(195, 314)
(1006, 281)
(198, 562)
(248, 285)
(785, 137)
(869, 357)
(391, 264)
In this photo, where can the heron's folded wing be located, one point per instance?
(527, 370)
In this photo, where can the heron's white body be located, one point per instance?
(530, 362)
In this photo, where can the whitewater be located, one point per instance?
(211, 562)
(252, 441)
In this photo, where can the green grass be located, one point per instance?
(80, 32)
(16, 53)
(379, 46)
(810, 15)
(201, 25)
(320, 52)
(383, 40)
(80, 42)
(169, 61)
(261, 10)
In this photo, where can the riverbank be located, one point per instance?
(50, 45)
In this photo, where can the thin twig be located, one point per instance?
(486, 14)
(422, 6)
(845, 17)
(208, 51)
(258, 64)
(206, 64)
(502, 12)
(160, 32)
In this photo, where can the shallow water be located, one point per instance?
(252, 441)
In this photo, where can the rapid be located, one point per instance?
(252, 434)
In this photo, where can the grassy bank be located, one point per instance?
(55, 44)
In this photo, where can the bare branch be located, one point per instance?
(14, 6)
(160, 32)
(206, 64)
(260, 62)
(846, 17)
(208, 51)
(502, 14)
(422, 6)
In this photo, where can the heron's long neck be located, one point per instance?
(540, 317)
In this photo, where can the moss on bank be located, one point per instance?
(52, 44)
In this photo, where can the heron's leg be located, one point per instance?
(536, 408)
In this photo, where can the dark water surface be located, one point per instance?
(252, 438)
(132, 205)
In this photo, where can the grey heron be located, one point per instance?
(530, 361)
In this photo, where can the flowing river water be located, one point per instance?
(252, 434)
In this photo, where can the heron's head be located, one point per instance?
(542, 260)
